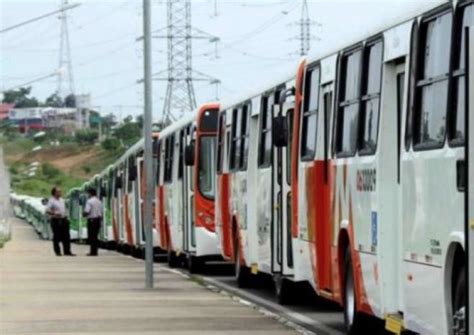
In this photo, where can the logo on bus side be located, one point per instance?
(366, 180)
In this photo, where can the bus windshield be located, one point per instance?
(206, 167)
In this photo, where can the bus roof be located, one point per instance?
(284, 76)
(333, 47)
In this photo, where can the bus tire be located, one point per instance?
(352, 318)
(459, 304)
(242, 273)
(283, 290)
(195, 264)
(173, 259)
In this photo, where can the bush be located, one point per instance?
(86, 169)
(49, 171)
(111, 144)
(86, 136)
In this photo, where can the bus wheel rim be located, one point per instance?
(350, 299)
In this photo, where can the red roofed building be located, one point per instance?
(5, 110)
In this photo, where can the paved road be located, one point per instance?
(44, 294)
(308, 311)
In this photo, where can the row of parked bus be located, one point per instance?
(31, 209)
(349, 173)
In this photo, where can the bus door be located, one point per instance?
(280, 187)
(140, 198)
(189, 141)
(285, 213)
(470, 160)
(121, 204)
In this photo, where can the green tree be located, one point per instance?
(70, 101)
(54, 100)
(128, 133)
(87, 136)
(128, 119)
(139, 121)
(111, 144)
(20, 97)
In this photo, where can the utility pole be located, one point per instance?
(180, 97)
(65, 62)
(148, 155)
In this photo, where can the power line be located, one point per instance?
(61, 10)
(31, 82)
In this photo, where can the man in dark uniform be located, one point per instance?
(56, 209)
(93, 211)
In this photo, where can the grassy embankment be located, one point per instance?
(68, 165)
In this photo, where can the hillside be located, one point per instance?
(67, 165)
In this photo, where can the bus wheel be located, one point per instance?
(283, 290)
(351, 316)
(173, 260)
(242, 273)
(459, 305)
(195, 264)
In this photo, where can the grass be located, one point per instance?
(91, 160)
(3, 240)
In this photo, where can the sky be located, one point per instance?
(256, 42)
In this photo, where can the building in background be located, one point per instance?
(67, 120)
(5, 111)
(27, 119)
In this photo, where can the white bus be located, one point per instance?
(379, 172)
(186, 187)
(253, 197)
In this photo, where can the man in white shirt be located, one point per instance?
(94, 212)
(56, 210)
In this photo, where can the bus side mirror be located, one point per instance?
(280, 131)
(189, 155)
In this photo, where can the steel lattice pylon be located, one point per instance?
(65, 72)
(180, 97)
(305, 35)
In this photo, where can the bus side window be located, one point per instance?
(244, 136)
(431, 91)
(371, 98)
(457, 120)
(169, 159)
(327, 101)
(181, 154)
(158, 162)
(310, 115)
(220, 143)
(348, 104)
(265, 144)
(234, 140)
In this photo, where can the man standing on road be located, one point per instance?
(93, 211)
(56, 210)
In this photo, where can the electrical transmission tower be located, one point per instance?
(305, 35)
(65, 72)
(180, 96)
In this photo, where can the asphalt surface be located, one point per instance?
(309, 312)
(44, 294)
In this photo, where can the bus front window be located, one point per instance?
(206, 166)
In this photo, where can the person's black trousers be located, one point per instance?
(60, 228)
(93, 228)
